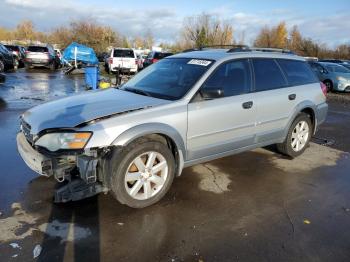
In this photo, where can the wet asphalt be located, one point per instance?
(254, 206)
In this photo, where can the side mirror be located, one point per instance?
(212, 93)
(324, 71)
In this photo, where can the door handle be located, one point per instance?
(292, 96)
(247, 105)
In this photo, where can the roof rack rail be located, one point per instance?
(224, 46)
(269, 49)
(232, 47)
(242, 48)
(190, 50)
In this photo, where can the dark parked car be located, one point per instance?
(154, 57)
(41, 55)
(102, 56)
(7, 60)
(19, 52)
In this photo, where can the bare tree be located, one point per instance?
(25, 30)
(206, 29)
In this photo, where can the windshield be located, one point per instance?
(170, 78)
(337, 69)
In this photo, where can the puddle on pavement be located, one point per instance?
(10, 226)
(26, 89)
(21, 225)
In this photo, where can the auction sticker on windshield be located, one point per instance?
(199, 62)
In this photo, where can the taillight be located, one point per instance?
(324, 88)
(154, 60)
(110, 60)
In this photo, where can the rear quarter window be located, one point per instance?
(158, 55)
(297, 72)
(123, 53)
(11, 47)
(41, 49)
(268, 75)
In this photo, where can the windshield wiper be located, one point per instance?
(137, 91)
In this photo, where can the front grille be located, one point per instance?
(25, 127)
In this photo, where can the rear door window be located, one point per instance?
(41, 49)
(233, 78)
(268, 75)
(123, 53)
(297, 72)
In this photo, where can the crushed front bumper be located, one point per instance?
(78, 187)
(34, 160)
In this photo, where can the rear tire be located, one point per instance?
(52, 66)
(15, 64)
(329, 86)
(140, 184)
(298, 137)
(2, 67)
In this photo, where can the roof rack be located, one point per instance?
(242, 48)
(232, 47)
(225, 46)
(190, 50)
(268, 49)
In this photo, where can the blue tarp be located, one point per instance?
(83, 53)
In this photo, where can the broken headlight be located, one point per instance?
(57, 141)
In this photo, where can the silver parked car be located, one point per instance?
(41, 56)
(186, 109)
(336, 77)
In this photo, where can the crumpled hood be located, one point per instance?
(74, 110)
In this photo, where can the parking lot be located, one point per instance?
(254, 206)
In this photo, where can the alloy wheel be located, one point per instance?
(146, 175)
(300, 136)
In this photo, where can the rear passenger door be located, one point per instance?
(273, 103)
(280, 84)
(221, 124)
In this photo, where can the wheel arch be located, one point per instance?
(307, 107)
(159, 132)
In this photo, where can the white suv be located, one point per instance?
(121, 58)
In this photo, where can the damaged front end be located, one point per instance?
(83, 179)
(78, 170)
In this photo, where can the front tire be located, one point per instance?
(298, 137)
(142, 173)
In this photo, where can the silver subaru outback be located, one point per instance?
(186, 109)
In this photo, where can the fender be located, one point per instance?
(300, 107)
(154, 128)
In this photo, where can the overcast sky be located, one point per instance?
(323, 20)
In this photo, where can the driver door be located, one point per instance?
(225, 121)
